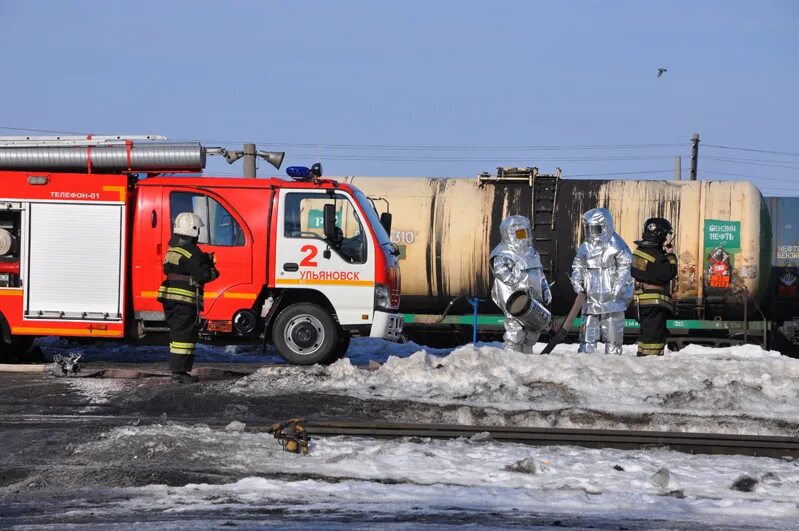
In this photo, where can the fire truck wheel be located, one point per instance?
(19, 350)
(343, 344)
(305, 334)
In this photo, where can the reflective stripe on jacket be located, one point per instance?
(653, 269)
(187, 269)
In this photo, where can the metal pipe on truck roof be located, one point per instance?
(105, 159)
(678, 168)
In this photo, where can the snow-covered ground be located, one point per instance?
(730, 390)
(742, 389)
(472, 482)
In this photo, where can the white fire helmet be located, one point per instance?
(188, 224)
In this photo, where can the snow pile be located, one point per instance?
(742, 381)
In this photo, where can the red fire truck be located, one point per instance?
(85, 224)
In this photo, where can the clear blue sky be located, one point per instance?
(381, 88)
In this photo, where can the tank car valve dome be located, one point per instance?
(188, 224)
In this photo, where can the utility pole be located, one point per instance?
(249, 160)
(678, 168)
(694, 154)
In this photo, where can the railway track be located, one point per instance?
(702, 443)
(705, 443)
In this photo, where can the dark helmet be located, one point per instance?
(657, 230)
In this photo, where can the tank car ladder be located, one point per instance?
(544, 190)
(545, 195)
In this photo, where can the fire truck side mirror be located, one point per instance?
(330, 221)
(385, 220)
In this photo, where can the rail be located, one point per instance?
(756, 445)
(703, 443)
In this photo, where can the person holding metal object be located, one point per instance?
(654, 266)
(187, 269)
(601, 270)
(520, 288)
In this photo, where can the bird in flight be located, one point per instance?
(660, 71)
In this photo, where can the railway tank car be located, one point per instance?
(446, 227)
(783, 297)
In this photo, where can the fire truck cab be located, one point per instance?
(84, 227)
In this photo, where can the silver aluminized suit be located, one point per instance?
(602, 270)
(516, 266)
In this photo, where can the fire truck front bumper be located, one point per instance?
(387, 325)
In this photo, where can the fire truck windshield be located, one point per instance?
(374, 220)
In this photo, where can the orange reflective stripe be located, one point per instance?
(323, 282)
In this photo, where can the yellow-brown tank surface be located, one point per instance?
(446, 227)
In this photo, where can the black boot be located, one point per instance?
(183, 378)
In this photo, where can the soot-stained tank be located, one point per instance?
(446, 227)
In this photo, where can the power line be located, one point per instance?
(746, 159)
(775, 187)
(41, 130)
(733, 161)
(419, 158)
(401, 147)
(788, 153)
(766, 191)
(419, 147)
(749, 176)
(617, 173)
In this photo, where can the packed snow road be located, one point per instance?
(107, 470)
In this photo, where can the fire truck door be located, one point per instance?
(224, 235)
(148, 253)
(342, 270)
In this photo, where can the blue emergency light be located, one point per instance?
(301, 173)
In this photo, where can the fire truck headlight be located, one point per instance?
(382, 297)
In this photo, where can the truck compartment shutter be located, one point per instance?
(75, 261)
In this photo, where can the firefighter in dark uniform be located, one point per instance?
(187, 269)
(654, 266)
